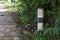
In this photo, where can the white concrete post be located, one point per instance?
(9, 1)
(40, 19)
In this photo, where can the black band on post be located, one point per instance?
(40, 20)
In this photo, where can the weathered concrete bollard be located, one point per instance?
(40, 19)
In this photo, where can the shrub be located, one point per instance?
(27, 9)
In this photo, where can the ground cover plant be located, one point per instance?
(27, 15)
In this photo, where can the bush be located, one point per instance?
(27, 10)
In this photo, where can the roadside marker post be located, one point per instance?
(40, 22)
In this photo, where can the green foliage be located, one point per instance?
(28, 12)
(49, 34)
(27, 9)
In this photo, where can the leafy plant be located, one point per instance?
(27, 11)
